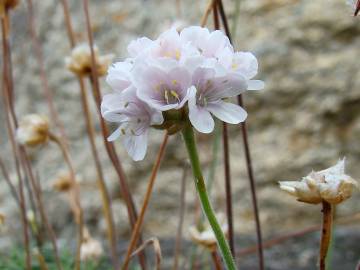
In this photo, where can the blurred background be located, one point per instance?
(307, 118)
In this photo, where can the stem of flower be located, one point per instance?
(216, 260)
(189, 138)
(325, 233)
(74, 196)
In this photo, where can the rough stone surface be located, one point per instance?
(307, 117)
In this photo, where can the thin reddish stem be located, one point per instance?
(139, 221)
(225, 137)
(44, 81)
(247, 155)
(109, 146)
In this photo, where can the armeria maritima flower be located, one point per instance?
(80, 61)
(33, 130)
(331, 185)
(190, 74)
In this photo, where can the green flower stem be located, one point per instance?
(189, 138)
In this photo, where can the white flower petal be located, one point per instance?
(227, 112)
(199, 117)
(136, 146)
(255, 85)
(116, 134)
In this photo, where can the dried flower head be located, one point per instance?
(63, 182)
(91, 249)
(331, 185)
(204, 236)
(33, 130)
(2, 219)
(80, 61)
(7, 4)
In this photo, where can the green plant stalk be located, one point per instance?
(188, 135)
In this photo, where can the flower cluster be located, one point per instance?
(331, 185)
(187, 74)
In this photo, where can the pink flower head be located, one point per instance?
(207, 94)
(194, 68)
(134, 118)
(163, 89)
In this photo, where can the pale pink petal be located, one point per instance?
(246, 64)
(227, 112)
(119, 75)
(116, 134)
(255, 85)
(139, 46)
(136, 146)
(199, 117)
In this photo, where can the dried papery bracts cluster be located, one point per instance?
(175, 78)
(91, 249)
(33, 130)
(80, 61)
(331, 185)
(204, 236)
(63, 182)
(7, 4)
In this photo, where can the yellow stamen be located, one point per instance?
(234, 66)
(174, 82)
(132, 132)
(174, 94)
(166, 94)
(123, 131)
(177, 54)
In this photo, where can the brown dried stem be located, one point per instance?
(225, 137)
(109, 146)
(247, 156)
(74, 195)
(157, 249)
(139, 221)
(44, 81)
(106, 202)
(181, 218)
(325, 232)
(9, 183)
(208, 9)
(216, 260)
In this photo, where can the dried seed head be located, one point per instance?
(8, 4)
(331, 185)
(2, 219)
(80, 61)
(33, 130)
(63, 182)
(91, 249)
(204, 235)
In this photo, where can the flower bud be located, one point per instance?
(80, 61)
(63, 182)
(204, 236)
(2, 219)
(91, 249)
(33, 130)
(331, 185)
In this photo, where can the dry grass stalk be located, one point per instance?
(157, 249)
